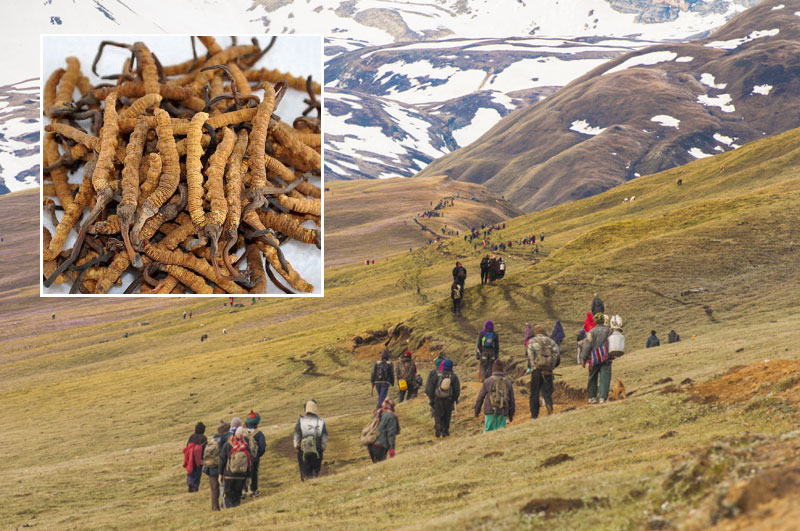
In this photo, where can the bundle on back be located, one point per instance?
(188, 175)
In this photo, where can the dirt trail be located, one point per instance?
(776, 378)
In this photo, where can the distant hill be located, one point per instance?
(644, 112)
(369, 219)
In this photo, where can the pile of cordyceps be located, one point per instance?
(188, 176)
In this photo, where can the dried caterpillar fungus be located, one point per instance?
(186, 168)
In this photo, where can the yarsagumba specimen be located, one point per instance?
(190, 180)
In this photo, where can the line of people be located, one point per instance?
(231, 458)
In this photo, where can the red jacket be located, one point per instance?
(192, 457)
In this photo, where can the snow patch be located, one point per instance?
(781, 6)
(762, 89)
(708, 80)
(722, 101)
(722, 139)
(684, 59)
(666, 120)
(651, 58)
(484, 119)
(582, 126)
(735, 43)
(698, 153)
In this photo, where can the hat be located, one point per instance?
(652, 332)
(498, 366)
(311, 407)
(236, 422)
(390, 403)
(447, 365)
(407, 353)
(200, 428)
(385, 355)
(253, 418)
(599, 318)
(488, 325)
(239, 432)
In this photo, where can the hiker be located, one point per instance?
(407, 377)
(190, 315)
(485, 269)
(558, 334)
(382, 376)
(310, 440)
(597, 305)
(501, 268)
(234, 463)
(184, 315)
(211, 463)
(457, 294)
(193, 457)
(541, 237)
(487, 349)
(594, 352)
(653, 340)
(443, 390)
(236, 422)
(459, 274)
(258, 445)
(388, 428)
(673, 337)
(543, 357)
(497, 399)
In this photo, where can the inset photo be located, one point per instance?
(181, 165)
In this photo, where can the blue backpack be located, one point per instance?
(488, 340)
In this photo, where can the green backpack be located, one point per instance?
(498, 395)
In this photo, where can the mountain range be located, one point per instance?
(644, 112)
(629, 24)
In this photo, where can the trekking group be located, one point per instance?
(231, 458)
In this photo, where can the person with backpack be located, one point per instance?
(485, 269)
(407, 377)
(235, 463)
(459, 274)
(443, 390)
(236, 422)
(193, 457)
(258, 445)
(310, 440)
(497, 399)
(382, 376)
(487, 349)
(457, 294)
(211, 463)
(673, 337)
(653, 340)
(543, 357)
(386, 432)
(597, 305)
(595, 353)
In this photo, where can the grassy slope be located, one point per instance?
(119, 410)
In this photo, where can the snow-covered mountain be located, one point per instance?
(644, 112)
(373, 22)
(392, 109)
(19, 136)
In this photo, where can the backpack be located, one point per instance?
(251, 437)
(308, 444)
(370, 432)
(383, 371)
(461, 274)
(406, 369)
(444, 388)
(488, 340)
(616, 344)
(498, 395)
(238, 462)
(457, 293)
(542, 354)
(598, 356)
(211, 454)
